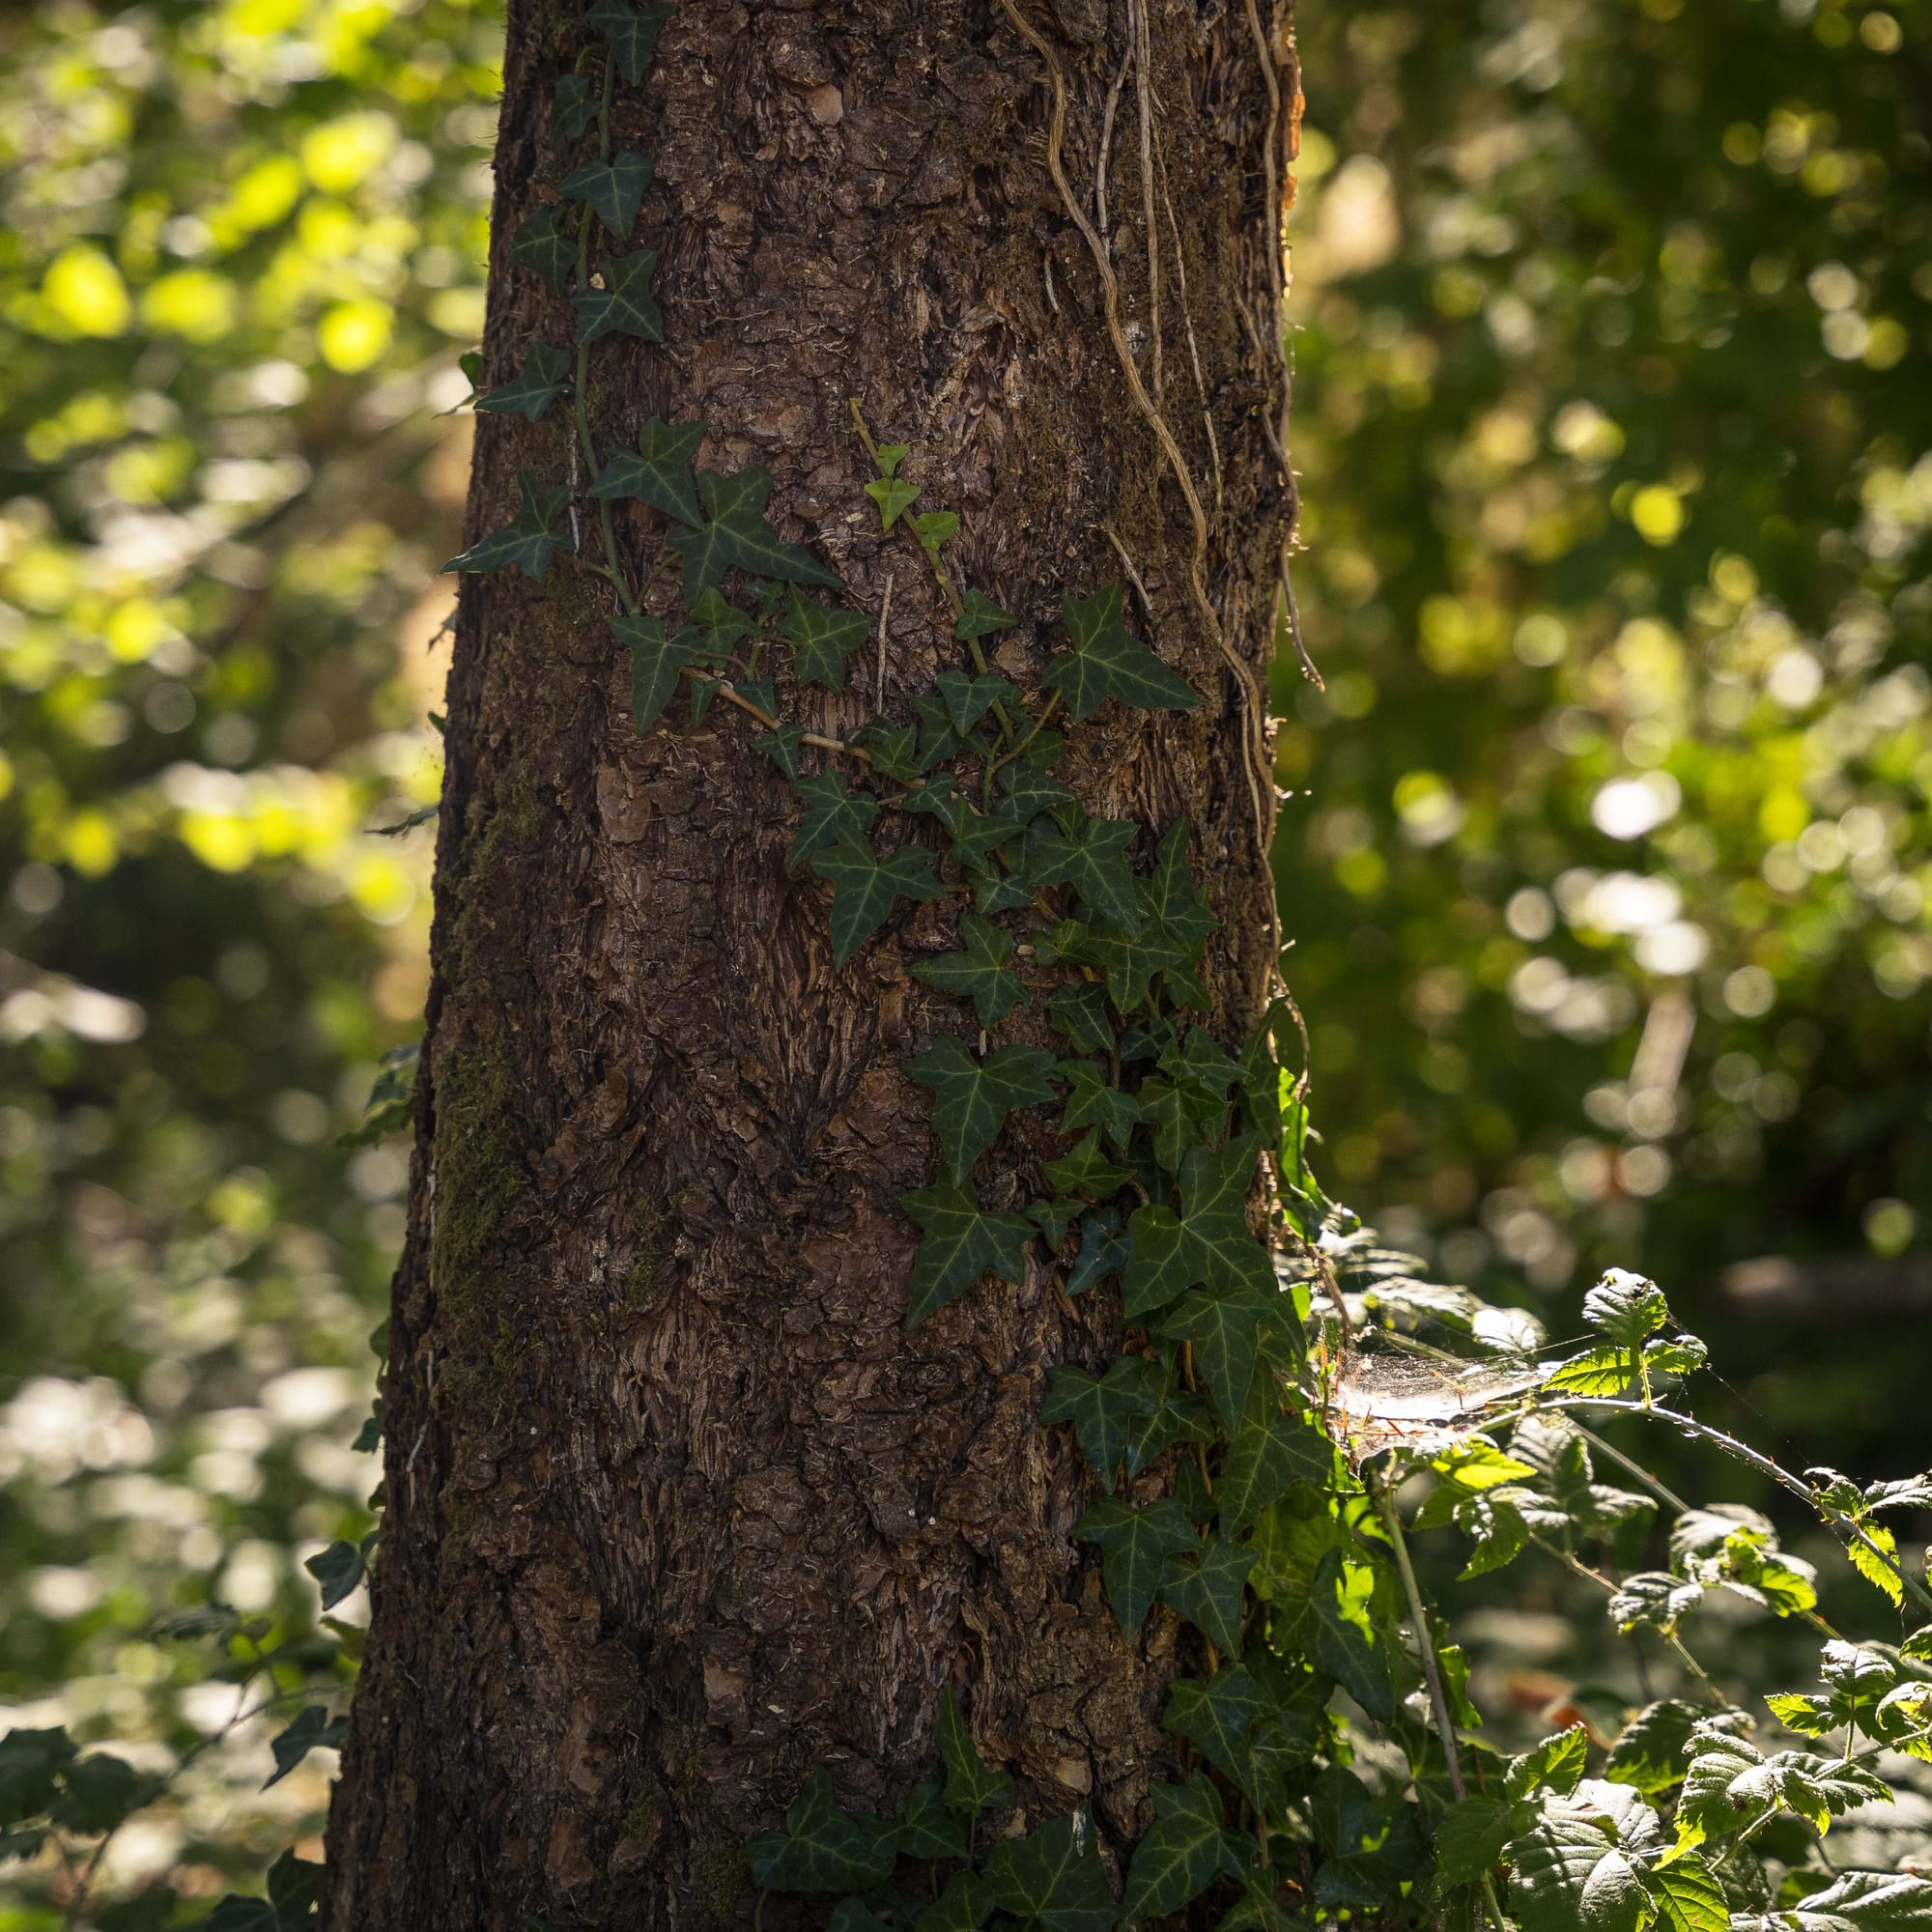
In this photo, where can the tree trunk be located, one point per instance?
(677, 1507)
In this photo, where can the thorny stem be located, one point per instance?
(1438, 1700)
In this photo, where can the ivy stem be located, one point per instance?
(1439, 1699)
(1743, 1452)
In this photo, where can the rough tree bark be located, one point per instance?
(676, 1506)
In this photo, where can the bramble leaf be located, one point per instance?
(1625, 1307)
(1106, 662)
(1857, 1901)
(971, 1099)
(658, 472)
(544, 377)
(964, 1241)
(614, 190)
(1687, 1896)
(1650, 1753)
(541, 527)
(625, 304)
(1471, 1836)
(977, 971)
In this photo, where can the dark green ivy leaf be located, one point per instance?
(658, 473)
(833, 815)
(1053, 1218)
(894, 749)
(539, 529)
(1209, 1242)
(1080, 1015)
(1091, 1103)
(825, 637)
(1185, 1848)
(1105, 663)
(1170, 896)
(781, 745)
(927, 1825)
(1029, 788)
(339, 1569)
(547, 248)
(1092, 857)
(964, 1906)
(625, 304)
(631, 31)
(977, 971)
(1101, 1411)
(544, 377)
(615, 190)
(938, 797)
(1217, 1717)
(964, 1241)
(822, 1850)
(972, 1785)
(979, 618)
(313, 1729)
(1134, 1548)
(1086, 1170)
(1265, 1457)
(1053, 1878)
(864, 886)
(1209, 1593)
(97, 1793)
(737, 534)
(1104, 1247)
(658, 660)
(968, 699)
(971, 1099)
(573, 107)
(28, 1762)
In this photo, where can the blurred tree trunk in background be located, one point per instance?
(676, 1506)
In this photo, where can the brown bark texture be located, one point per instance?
(677, 1508)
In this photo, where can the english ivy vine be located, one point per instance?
(1279, 1378)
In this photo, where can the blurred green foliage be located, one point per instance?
(1611, 866)
(241, 253)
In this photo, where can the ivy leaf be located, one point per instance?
(1079, 1013)
(1028, 789)
(934, 528)
(834, 815)
(1105, 663)
(658, 661)
(625, 304)
(1104, 1248)
(1369, 1844)
(28, 1763)
(658, 472)
(1209, 1593)
(1053, 1218)
(1101, 1411)
(964, 1906)
(1222, 1328)
(1092, 857)
(1264, 1458)
(964, 1241)
(573, 107)
(1184, 1850)
(339, 1569)
(781, 746)
(1128, 963)
(968, 700)
(547, 248)
(971, 1099)
(825, 638)
(977, 971)
(864, 886)
(615, 190)
(1053, 1878)
(1134, 1547)
(235, 1914)
(979, 618)
(1649, 1754)
(1087, 1171)
(1352, 1644)
(925, 1827)
(1209, 1242)
(633, 33)
(98, 1792)
(820, 1849)
(544, 377)
(889, 455)
(1687, 1896)
(313, 1729)
(974, 840)
(1217, 1717)
(1180, 1418)
(539, 529)
(1092, 1103)
(972, 1785)
(1170, 896)
(894, 496)
(737, 534)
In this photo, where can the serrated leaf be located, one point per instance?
(865, 888)
(1569, 1877)
(1210, 1592)
(1183, 1853)
(1053, 1878)
(971, 1097)
(625, 304)
(972, 1785)
(658, 660)
(1655, 1598)
(313, 1729)
(1650, 1752)
(964, 1241)
(1555, 1765)
(736, 535)
(1687, 1896)
(1101, 1410)
(894, 496)
(1471, 1836)
(614, 190)
(1106, 662)
(979, 618)
(1858, 1901)
(547, 248)
(658, 472)
(825, 637)
(1134, 1548)
(820, 1849)
(977, 971)
(339, 1569)
(631, 31)
(540, 528)
(544, 376)
(833, 815)
(1625, 1307)
(1878, 1567)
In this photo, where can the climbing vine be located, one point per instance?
(1283, 1385)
